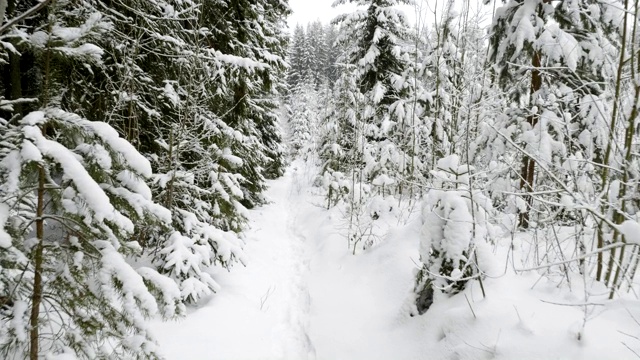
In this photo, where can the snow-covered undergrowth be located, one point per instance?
(304, 295)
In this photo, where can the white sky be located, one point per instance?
(306, 11)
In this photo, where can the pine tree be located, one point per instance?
(332, 54)
(76, 190)
(253, 47)
(373, 37)
(297, 70)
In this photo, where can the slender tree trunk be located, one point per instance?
(169, 199)
(627, 175)
(38, 259)
(529, 164)
(36, 296)
(607, 156)
(15, 78)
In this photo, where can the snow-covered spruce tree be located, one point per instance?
(198, 183)
(557, 59)
(297, 59)
(578, 55)
(249, 37)
(222, 112)
(71, 193)
(163, 102)
(310, 60)
(333, 53)
(374, 61)
(454, 221)
(128, 89)
(318, 52)
(211, 214)
(516, 27)
(303, 120)
(373, 38)
(340, 138)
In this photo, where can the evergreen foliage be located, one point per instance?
(72, 192)
(454, 220)
(373, 38)
(135, 135)
(134, 132)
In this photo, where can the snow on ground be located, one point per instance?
(304, 295)
(262, 313)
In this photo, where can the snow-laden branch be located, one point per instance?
(21, 17)
(556, 180)
(581, 257)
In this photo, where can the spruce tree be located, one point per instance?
(297, 70)
(517, 30)
(251, 43)
(373, 38)
(333, 53)
(454, 219)
(71, 195)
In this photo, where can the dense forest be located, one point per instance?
(136, 137)
(531, 124)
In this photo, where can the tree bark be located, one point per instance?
(529, 164)
(3, 9)
(15, 80)
(36, 297)
(606, 181)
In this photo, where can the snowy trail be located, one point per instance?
(302, 295)
(263, 310)
(291, 337)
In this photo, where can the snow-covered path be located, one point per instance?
(263, 310)
(302, 295)
(289, 256)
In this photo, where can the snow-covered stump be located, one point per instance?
(335, 185)
(454, 220)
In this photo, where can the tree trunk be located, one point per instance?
(628, 174)
(606, 181)
(3, 9)
(36, 297)
(529, 164)
(15, 81)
